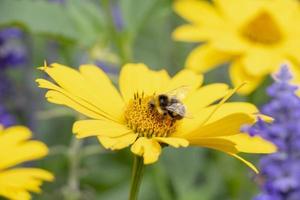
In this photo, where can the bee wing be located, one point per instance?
(179, 109)
(180, 92)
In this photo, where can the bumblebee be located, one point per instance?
(169, 103)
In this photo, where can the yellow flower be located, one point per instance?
(15, 148)
(127, 118)
(255, 36)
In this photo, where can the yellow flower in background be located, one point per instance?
(15, 149)
(255, 36)
(129, 117)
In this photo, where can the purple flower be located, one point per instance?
(107, 67)
(6, 119)
(5, 87)
(117, 16)
(280, 171)
(12, 52)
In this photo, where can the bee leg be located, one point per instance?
(171, 114)
(165, 114)
(178, 117)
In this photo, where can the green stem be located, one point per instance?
(137, 174)
(72, 191)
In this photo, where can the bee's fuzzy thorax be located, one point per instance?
(146, 120)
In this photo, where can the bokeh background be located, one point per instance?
(107, 33)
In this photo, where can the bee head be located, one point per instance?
(163, 100)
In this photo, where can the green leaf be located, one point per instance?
(135, 13)
(76, 21)
(37, 17)
(88, 20)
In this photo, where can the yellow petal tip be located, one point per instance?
(42, 68)
(266, 118)
(249, 164)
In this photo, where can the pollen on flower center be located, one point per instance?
(262, 29)
(146, 120)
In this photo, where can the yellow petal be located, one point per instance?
(42, 83)
(117, 142)
(16, 183)
(245, 9)
(205, 58)
(60, 96)
(138, 78)
(238, 75)
(221, 145)
(205, 96)
(265, 118)
(100, 81)
(249, 164)
(87, 128)
(172, 141)
(22, 152)
(208, 25)
(148, 148)
(187, 125)
(14, 135)
(214, 143)
(248, 144)
(15, 148)
(229, 125)
(229, 41)
(231, 108)
(75, 103)
(221, 103)
(213, 113)
(292, 46)
(256, 66)
(14, 194)
(190, 33)
(185, 77)
(288, 10)
(84, 87)
(199, 12)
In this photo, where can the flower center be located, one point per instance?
(262, 29)
(146, 120)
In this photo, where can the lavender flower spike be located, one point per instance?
(117, 16)
(6, 119)
(281, 171)
(12, 52)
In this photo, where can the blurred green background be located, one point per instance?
(110, 33)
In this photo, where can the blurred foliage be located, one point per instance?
(78, 31)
